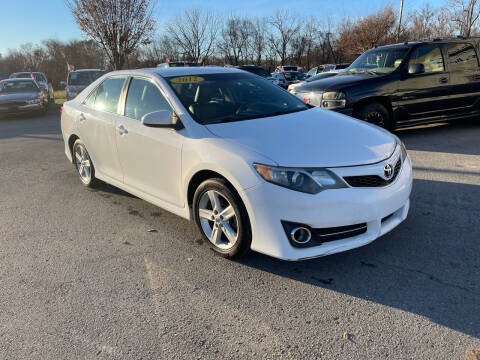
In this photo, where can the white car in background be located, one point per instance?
(253, 165)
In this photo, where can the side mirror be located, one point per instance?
(162, 119)
(414, 69)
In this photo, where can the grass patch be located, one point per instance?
(60, 96)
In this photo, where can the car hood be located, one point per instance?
(337, 82)
(311, 138)
(6, 98)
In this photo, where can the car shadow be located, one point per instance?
(428, 266)
(456, 137)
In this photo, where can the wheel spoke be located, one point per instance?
(228, 213)
(229, 233)
(80, 170)
(205, 213)
(214, 200)
(78, 156)
(216, 235)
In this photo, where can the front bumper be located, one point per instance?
(269, 204)
(6, 110)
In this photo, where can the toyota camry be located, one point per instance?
(254, 166)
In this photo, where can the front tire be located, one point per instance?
(84, 164)
(377, 114)
(222, 218)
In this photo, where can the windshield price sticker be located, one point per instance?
(187, 79)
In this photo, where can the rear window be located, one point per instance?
(462, 57)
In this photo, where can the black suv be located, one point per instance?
(405, 84)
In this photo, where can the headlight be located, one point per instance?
(333, 100)
(310, 181)
(34, 101)
(276, 82)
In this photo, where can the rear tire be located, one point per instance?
(84, 164)
(222, 218)
(377, 114)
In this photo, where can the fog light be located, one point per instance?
(300, 235)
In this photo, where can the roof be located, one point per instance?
(28, 72)
(18, 79)
(80, 70)
(180, 71)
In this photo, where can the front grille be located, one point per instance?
(373, 180)
(339, 232)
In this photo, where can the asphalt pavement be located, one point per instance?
(101, 274)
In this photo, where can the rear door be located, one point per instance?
(96, 124)
(425, 95)
(462, 62)
(150, 157)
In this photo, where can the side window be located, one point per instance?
(430, 56)
(462, 57)
(90, 100)
(144, 97)
(108, 94)
(312, 72)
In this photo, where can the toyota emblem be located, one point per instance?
(388, 171)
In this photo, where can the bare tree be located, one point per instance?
(195, 34)
(257, 43)
(119, 26)
(285, 27)
(464, 13)
(233, 40)
(376, 29)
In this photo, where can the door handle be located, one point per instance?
(122, 130)
(82, 117)
(443, 80)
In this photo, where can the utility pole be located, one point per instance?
(400, 20)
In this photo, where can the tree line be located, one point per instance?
(123, 34)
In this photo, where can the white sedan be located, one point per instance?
(253, 165)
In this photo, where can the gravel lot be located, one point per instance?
(82, 276)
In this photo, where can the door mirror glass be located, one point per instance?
(162, 119)
(414, 69)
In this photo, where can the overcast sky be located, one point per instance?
(25, 21)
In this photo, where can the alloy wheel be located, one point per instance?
(218, 219)
(83, 164)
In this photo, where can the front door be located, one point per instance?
(150, 157)
(425, 95)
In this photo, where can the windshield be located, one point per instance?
(38, 77)
(83, 78)
(294, 75)
(216, 98)
(256, 70)
(10, 87)
(379, 61)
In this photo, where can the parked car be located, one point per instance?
(405, 84)
(294, 76)
(41, 80)
(280, 79)
(287, 68)
(253, 165)
(19, 96)
(292, 87)
(327, 68)
(78, 80)
(177, 64)
(260, 71)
